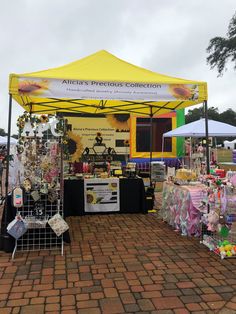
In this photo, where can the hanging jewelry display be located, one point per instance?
(39, 149)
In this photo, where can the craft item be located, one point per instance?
(27, 184)
(35, 195)
(52, 196)
(224, 231)
(58, 224)
(17, 197)
(17, 227)
(233, 180)
(36, 222)
(44, 188)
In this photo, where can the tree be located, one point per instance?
(198, 113)
(221, 50)
(2, 132)
(228, 116)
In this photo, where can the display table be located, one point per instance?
(180, 207)
(132, 197)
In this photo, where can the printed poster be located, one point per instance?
(101, 195)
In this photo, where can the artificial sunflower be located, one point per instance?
(91, 197)
(120, 122)
(75, 146)
(43, 118)
(112, 186)
(32, 87)
(180, 91)
(126, 142)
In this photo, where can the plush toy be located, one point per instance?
(213, 219)
(233, 180)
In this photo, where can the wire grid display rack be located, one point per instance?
(213, 239)
(36, 211)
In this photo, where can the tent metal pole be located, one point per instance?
(190, 153)
(151, 144)
(5, 241)
(8, 158)
(207, 137)
(162, 148)
(216, 153)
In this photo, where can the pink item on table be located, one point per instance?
(233, 180)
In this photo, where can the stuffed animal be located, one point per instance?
(213, 219)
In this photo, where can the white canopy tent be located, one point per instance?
(197, 129)
(3, 140)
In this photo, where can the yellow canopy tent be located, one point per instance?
(103, 83)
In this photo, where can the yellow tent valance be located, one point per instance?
(103, 83)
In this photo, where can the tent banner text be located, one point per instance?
(105, 90)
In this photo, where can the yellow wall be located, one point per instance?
(135, 154)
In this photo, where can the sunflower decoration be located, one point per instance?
(43, 118)
(32, 87)
(126, 143)
(75, 146)
(120, 122)
(91, 197)
(21, 121)
(183, 92)
(112, 186)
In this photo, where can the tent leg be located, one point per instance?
(207, 138)
(162, 148)
(5, 238)
(151, 145)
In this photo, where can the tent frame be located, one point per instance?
(113, 111)
(115, 68)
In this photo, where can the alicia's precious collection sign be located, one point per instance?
(101, 195)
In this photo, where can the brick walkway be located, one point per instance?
(119, 264)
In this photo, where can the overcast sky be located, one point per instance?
(165, 36)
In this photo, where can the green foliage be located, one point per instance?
(2, 132)
(198, 113)
(228, 116)
(221, 50)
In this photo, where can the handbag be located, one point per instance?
(17, 227)
(58, 224)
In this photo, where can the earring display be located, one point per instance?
(42, 189)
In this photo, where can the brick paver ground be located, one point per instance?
(119, 264)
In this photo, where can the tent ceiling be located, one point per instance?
(102, 83)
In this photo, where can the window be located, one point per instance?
(160, 126)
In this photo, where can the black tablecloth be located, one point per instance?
(132, 197)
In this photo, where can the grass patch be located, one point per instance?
(225, 155)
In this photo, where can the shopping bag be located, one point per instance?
(58, 224)
(17, 227)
